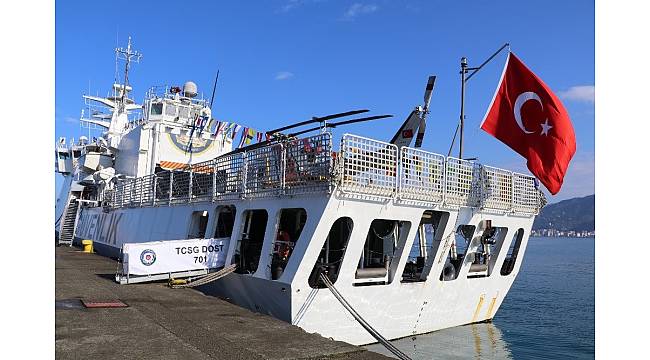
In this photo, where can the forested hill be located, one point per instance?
(577, 214)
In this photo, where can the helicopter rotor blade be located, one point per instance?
(346, 122)
(428, 92)
(318, 119)
(369, 118)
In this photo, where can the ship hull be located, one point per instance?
(396, 308)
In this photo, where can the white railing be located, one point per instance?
(264, 171)
(308, 165)
(229, 176)
(368, 166)
(497, 188)
(422, 175)
(364, 168)
(526, 197)
(462, 186)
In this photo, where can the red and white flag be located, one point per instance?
(531, 120)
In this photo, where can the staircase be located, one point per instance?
(66, 234)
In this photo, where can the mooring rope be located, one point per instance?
(192, 282)
(361, 321)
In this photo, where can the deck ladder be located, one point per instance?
(66, 233)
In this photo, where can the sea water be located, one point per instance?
(548, 313)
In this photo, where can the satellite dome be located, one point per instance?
(189, 89)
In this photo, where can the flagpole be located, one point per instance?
(214, 88)
(463, 70)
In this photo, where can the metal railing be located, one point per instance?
(422, 175)
(497, 188)
(368, 166)
(462, 183)
(264, 171)
(364, 168)
(308, 165)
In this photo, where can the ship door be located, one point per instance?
(198, 225)
(487, 251)
(225, 222)
(290, 225)
(331, 255)
(458, 248)
(513, 251)
(249, 246)
(425, 246)
(384, 243)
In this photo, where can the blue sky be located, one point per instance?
(283, 61)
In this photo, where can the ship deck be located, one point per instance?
(163, 323)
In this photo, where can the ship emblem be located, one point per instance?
(182, 142)
(148, 257)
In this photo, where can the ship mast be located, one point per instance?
(128, 55)
(464, 69)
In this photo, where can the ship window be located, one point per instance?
(425, 246)
(225, 221)
(384, 240)
(198, 225)
(457, 249)
(170, 110)
(487, 251)
(290, 225)
(183, 112)
(513, 251)
(63, 155)
(249, 246)
(156, 109)
(331, 254)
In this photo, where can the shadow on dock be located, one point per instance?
(164, 323)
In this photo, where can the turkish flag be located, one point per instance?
(530, 119)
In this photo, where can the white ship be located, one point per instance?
(413, 240)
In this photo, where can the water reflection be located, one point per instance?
(475, 341)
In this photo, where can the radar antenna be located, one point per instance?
(128, 55)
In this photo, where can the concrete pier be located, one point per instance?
(164, 323)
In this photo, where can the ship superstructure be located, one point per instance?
(417, 241)
(169, 130)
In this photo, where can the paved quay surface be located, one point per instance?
(164, 323)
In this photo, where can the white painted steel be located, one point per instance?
(294, 175)
(396, 309)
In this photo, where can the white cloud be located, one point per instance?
(70, 119)
(290, 5)
(358, 9)
(584, 93)
(283, 75)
